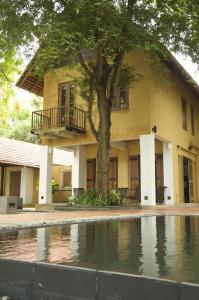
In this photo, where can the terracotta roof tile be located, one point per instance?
(26, 154)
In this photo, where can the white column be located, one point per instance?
(26, 189)
(170, 242)
(149, 247)
(45, 176)
(147, 168)
(168, 173)
(79, 168)
(74, 240)
(42, 243)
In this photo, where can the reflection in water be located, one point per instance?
(156, 246)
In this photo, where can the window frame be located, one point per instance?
(118, 100)
(67, 83)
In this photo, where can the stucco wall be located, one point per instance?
(153, 101)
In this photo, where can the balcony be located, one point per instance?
(60, 121)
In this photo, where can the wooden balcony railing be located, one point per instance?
(73, 119)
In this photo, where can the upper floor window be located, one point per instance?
(192, 121)
(67, 94)
(121, 100)
(184, 114)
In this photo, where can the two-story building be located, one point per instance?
(154, 132)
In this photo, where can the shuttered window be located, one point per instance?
(66, 179)
(184, 114)
(134, 177)
(91, 173)
(192, 121)
(113, 173)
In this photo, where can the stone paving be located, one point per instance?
(28, 219)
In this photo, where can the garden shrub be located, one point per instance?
(93, 198)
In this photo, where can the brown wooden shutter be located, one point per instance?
(192, 121)
(67, 175)
(184, 114)
(159, 178)
(134, 177)
(191, 182)
(15, 183)
(91, 173)
(113, 173)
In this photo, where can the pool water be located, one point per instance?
(166, 247)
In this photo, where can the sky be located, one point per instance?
(24, 97)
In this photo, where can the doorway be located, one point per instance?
(91, 173)
(159, 178)
(134, 178)
(66, 103)
(187, 180)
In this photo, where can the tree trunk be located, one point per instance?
(103, 141)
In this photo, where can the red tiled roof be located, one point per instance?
(15, 152)
(19, 153)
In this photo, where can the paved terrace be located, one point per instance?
(28, 219)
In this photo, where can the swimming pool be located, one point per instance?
(165, 246)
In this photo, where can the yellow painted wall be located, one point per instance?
(166, 114)
(126, 124)
(57, 175)
(154, 100)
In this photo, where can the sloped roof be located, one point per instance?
(14, 152)
(32, 83)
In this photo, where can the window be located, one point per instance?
(184, 114)
(121, 100)
(192, 121)
(67, 94)
(66, 179)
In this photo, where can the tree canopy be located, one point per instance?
(98, 34)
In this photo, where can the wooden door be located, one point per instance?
(91, 173)
(15, 183)
(134, 177)
(113, 173)
(159, 173)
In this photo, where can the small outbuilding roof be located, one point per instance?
(13, 152)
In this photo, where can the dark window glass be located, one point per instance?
(67, 94)
(121, 100)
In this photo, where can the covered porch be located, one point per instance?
(143, 167)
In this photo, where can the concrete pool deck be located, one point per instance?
(31, 218)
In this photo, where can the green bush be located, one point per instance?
(114, 198)
(92, 198)
(55, 186)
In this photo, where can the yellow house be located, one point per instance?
(20, 174)
(154, 133)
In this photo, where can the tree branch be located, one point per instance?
(4, 74)
(90, 107)
(83, 64)
(116, 74)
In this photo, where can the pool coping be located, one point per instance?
(127, 216)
